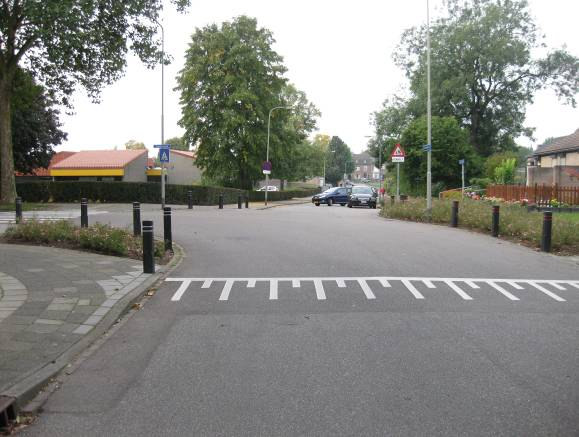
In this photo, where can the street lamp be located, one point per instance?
(429, 118)
(162, 109)
(267, 150)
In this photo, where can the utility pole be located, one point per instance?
(162, 110)
(429, 118)
(267, 150)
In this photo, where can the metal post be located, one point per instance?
(83, 213)
(463, 179)
(246, 201)
(397, 181)
(18, 209)
(454, 214)
(547, 228)
(239, 202)
(267, 150)
(162, 109)
(190, 199)
(136, 219)
(221, 201)
(167, 228)
(429, 117)
(380, 172)
(495, 224)
(148, 247)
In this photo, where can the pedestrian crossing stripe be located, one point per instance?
(455, 284)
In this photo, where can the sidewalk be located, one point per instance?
(53, 303)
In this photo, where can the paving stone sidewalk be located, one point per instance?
(50, 299)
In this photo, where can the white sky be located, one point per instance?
(338, 52)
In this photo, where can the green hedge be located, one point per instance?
(144, 192)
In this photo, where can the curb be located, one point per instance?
(283, 204)
(25, 390)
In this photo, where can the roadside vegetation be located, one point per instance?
(99, 238)
(515, 222)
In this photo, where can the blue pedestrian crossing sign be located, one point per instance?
(164, 154)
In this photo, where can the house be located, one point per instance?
(43, 173)
(366, 167)
(102, 165)
(556, 162)
(180, 170)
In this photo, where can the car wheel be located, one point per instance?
(373, 206)
(317, 203)
(342, 204)
(349, 205)
(330, 202)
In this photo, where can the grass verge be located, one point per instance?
(515, 222)
(98, 238)
(26, 206)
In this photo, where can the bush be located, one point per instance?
(144, 192)
(96, 238)
(515, 221)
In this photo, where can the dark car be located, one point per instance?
(331, 196)
(362, 195)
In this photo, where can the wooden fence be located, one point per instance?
(536, 194)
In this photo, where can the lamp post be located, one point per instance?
(267, 150)
(429, 117)
(162, 109)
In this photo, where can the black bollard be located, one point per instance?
(238, 202)
(148, 247)
(190, 199)
(136, 219)
(221, 201)
(167, 228)
(18, 209)
(246, 201)
(495, 225)
(83, 213)
(547, 227)
(392, 198)
(454, 214)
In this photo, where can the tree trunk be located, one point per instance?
(474, 133)
(7, 182)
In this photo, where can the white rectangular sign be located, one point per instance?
(398, 159)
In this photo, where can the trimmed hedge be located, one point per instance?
(144, 192)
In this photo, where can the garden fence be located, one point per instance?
(541, 195)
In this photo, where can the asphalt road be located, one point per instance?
(321, 321)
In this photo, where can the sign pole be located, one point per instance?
(463, 178)
(398, 182)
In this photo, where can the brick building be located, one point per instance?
(365, 167)
(555, 163)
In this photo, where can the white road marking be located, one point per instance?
(412, 290)
(182, 288)
(547, 292)
(273, 289)
(366, 289)
(458, 291)
(320, 293)
(557, 286)
(503, 291)
(226, 290)
(497, 284)
(384, 282)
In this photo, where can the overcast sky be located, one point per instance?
(338, 52)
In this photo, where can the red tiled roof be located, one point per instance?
(99, 159)
(56, 158)
(184, 153)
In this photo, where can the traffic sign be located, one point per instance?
(162, 146)
(427, 148)
(164, 154)
(461, 162)
(398, 154)
(266, 167)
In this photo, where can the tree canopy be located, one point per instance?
(35, 124)
(338, 160)
(483, 71)
(67, 43)
(134, 145)
(231, 80)
(177, 143)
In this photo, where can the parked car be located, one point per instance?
(269, 188)
(331, 196)
(363, 195)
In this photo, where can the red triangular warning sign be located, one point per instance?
(398, 151)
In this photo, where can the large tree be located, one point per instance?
(338, 160)
(483, 69)
(178, 143)
(66, 43)
(35, 124)
(231, 80)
